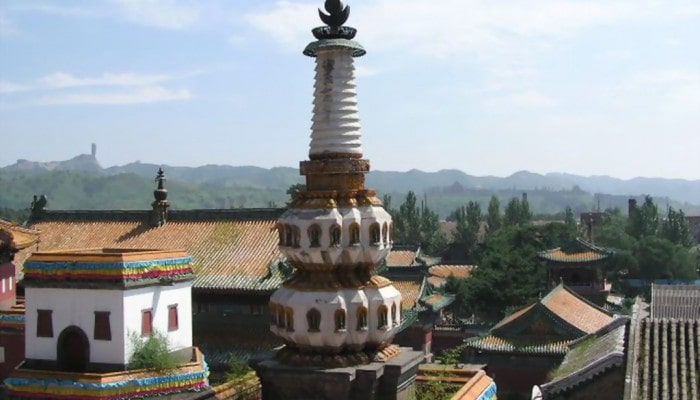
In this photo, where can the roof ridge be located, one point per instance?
(562, 286)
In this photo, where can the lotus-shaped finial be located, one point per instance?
(338, 13)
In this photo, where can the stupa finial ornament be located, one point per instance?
(338, 13)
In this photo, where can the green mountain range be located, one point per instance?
(81, 183)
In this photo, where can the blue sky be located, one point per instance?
(596, 87)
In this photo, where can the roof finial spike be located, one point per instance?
(338, 13)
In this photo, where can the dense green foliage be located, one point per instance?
(417, 225)
(238, 370)
(646, 247)
(153, 352)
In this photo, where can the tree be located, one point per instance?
(569, 218)
(493, 217)
(510, 273)
(644, 220)
(468, 220)
(416, 225)
(517, 212)
(675, 228)
(154, 352)
(294, 190)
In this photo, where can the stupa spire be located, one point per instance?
(336, 310)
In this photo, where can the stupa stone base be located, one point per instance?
(389, 380)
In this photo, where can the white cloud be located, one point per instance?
(167, 14)
(9, 87)
(63, 10)
(150, 94)
(60, 80)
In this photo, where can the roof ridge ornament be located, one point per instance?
(338, 13)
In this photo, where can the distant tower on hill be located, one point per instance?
(94, 150)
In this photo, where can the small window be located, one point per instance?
(173, 323)
(290, 319)
(2, 354)
(335, 235)
(315, 235)
(3, 285)
(102, 329)
(362, 319)
(9, 280)
(313, 318)
(394, 318)
(280, 317)
(355, 233)
(146, 322)
(375, 234)
(296, 237)
(44, 325)
(273, 314)
(385, 232)
(287, 235)
(382, 317)
(340, 320)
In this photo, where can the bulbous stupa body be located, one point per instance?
(335, 310)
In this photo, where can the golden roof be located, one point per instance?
(458, 271)
(231, 249)
(23, 237)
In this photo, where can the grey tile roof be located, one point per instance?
(669, 364)
(675, 301)
(590, 356)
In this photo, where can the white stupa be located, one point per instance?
(336, 311)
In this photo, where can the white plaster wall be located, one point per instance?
(74, 307)
(159, 298)
(77, 307)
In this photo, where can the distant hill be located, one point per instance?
(85, 184)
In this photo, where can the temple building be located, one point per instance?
(580, 265)
(13, 239)
(525, 346)
(652, 355)
(87, 310)
(336, 315)
(236, 262)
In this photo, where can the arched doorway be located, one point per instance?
(73, 350)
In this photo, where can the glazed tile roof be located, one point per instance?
(437, 282)
(23, 237)
(590, 356)
(675, 301)
(669, 360)
(458, 271)
(545, 327)
(410, 288)
(528, 345)
(438, 301)
(575, 310)
(403, 256)
(233, 250)
(577, 252)
(565, 306)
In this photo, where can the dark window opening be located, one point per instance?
(44, 325)
(146, 322)
(173, 323)
(102, 330)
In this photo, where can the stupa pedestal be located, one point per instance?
(390, 380)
